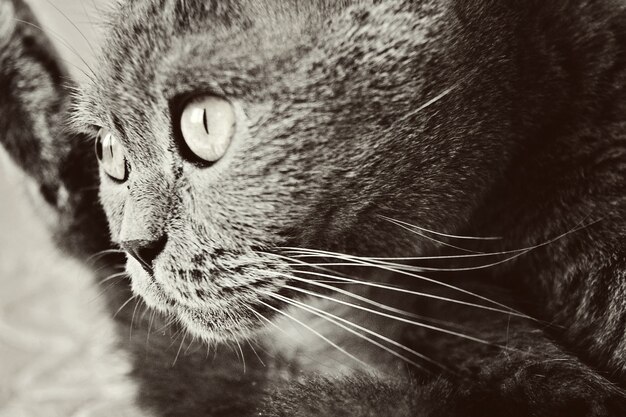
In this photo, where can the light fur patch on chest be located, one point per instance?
(312, 342)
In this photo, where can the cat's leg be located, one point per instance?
(34, 99)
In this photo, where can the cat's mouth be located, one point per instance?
(216, 314)
(224, 324)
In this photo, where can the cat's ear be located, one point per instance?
(33, 98)
(34, 104)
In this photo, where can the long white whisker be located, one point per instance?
(413, 268)
(74, 25)
(132, 320)
(347, 279)
(401, 319)
(409, 274)
(367, 300)
(151, 322)
(448, 257)
(114, 276)
(50, 32)
(459, 269)
(102, 253)
(166, 325)
(335, 322)
(182, 342)
(517, 253)
(361, 298)
(422, 229)
(433, 239)
(243, 358)
(335, 279)
(124, 305)
(265, 319)
(333, 317)
(435, 99)
(255, 352)
(411, 292)
(189, 346)
(321, 336)
(355, 296)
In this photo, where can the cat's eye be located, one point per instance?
(207, 125)
(111, 155)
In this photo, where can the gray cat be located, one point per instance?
(362, 208)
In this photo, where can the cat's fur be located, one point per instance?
(490, 118)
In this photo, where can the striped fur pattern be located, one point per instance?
(484, 140)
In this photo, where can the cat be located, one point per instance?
(360, 208)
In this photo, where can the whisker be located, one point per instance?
(517, 253)
(351, 280)
(412, 268)
(108, 266)
(189, 345)
(448, 257)
(74, 25)
(435, 99)
(374, 303)
(102, 253)
(265, 319)
(167, 324)
(423, 229)
(174, 337)
(132, 320)
(321, 336)
(255, 352)
(243, 358)
(145, 310)
(114, 276)
(458, 269)
(333, 318)
(401, 319)
(90, 21)
(124, 305)
(182, 342)
(409, 274)
(104, 290)
(150, 323)
(50, 32)
(411, 292)
(432, 239)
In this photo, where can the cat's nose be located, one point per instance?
(145, 251)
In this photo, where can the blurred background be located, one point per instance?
(57, 347)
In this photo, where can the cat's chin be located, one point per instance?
(220, 321)
(207, 326)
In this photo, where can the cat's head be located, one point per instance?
(230, 130)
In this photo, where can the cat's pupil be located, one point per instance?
(204, 122)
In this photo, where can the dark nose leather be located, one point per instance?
(145, 251)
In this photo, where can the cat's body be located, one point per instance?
(354, 121)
